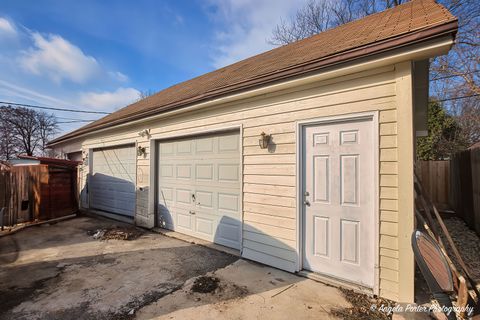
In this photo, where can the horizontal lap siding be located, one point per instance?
(271, 172)
(269, 175)
(389, 274)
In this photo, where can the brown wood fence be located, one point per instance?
(435, 179)
(36, 192)
(465, 186)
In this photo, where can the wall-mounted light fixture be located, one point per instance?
(264, 140)
(144, 133)
(141, 151)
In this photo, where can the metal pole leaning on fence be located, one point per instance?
(2, 210)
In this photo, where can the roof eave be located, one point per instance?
(408, 39)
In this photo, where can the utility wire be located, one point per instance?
(457, 98)
(454, 75)
(75, 121)
(50, 108)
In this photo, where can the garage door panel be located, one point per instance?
(205, 226)
(228, 172)
(228, 144)
(184, 171)
(184, 147)
(204, 145)
(205, 199)
(184, 220)
(112, 182)
(228, 202)
(213, 178)
(204, 172)
(183, 196)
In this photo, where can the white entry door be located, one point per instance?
(339, 193)
(199, 187)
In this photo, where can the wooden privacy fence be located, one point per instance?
(435, 179)
(36, 192)
(465, 186)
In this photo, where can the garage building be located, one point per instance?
(300, 157)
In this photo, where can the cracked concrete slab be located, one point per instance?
(61, 272)
(248, 290)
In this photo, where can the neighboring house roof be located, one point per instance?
(406, 24)
(475, 146)
(50, 161)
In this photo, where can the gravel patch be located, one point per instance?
(466, 241)
(116, 233)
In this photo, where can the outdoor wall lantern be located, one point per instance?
(141, 151)
(264, 140)
(144, 133)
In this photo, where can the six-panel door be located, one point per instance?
(339, 194)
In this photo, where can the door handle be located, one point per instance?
(192, 212)
(305, 201)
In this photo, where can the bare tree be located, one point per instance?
(320, 15)
(8, 143)
(47, 127)
(25, 131)
(145, 94)
(455, 78)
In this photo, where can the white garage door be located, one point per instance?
(112, 182)
(199, 187)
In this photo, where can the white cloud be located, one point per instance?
(117, 75)
(58, 59)
(246, 27)
(6, 27)
(109, 100)
(16, 91)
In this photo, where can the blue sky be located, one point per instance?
(98, 55)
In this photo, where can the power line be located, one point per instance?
(75, 121)
(51, 108)
(457, 98)
(454, 75)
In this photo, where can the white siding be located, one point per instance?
(269, 175)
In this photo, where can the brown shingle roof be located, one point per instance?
(348, 41)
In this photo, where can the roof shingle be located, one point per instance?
(278, 63)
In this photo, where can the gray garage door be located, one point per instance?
(112, 182)
(199, 187)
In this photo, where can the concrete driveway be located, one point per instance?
(61, 271)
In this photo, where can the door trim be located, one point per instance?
(155, 159)
(372, 115)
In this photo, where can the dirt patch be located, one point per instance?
(362, 307)
(116, 233)
(205, 284)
